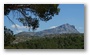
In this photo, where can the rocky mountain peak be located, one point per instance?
(65, 28)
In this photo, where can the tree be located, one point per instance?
(42, 12)
(8, 36)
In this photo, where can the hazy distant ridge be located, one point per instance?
(65, 28)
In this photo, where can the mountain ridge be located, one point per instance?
(64, 28)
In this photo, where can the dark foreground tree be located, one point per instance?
(32, 13)
(8, 36)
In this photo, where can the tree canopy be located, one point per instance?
(8, 36)
(43, 12)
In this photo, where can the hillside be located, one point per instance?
(64, 36)
(65, 28)
(61, 41)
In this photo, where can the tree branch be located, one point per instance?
(12, 22)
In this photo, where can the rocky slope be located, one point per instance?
(65, 28)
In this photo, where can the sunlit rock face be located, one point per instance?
(65, 28)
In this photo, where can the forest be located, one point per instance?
(57, 41)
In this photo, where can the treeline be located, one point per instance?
(63, 41)
(8, 36)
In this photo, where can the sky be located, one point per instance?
(72, 14)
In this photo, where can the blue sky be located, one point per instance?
(69, 13)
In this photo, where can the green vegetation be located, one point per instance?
(8, 36)
(60, 41)
(36, 12)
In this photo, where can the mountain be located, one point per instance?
(26, 34)
(65, 28)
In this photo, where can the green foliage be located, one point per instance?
(8, 36)
(62, 41)
(42, 12)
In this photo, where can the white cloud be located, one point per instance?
(21, 28)
(80, 27)
(53, 27)
(18, 31)
(38, 29)
(18, 26)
